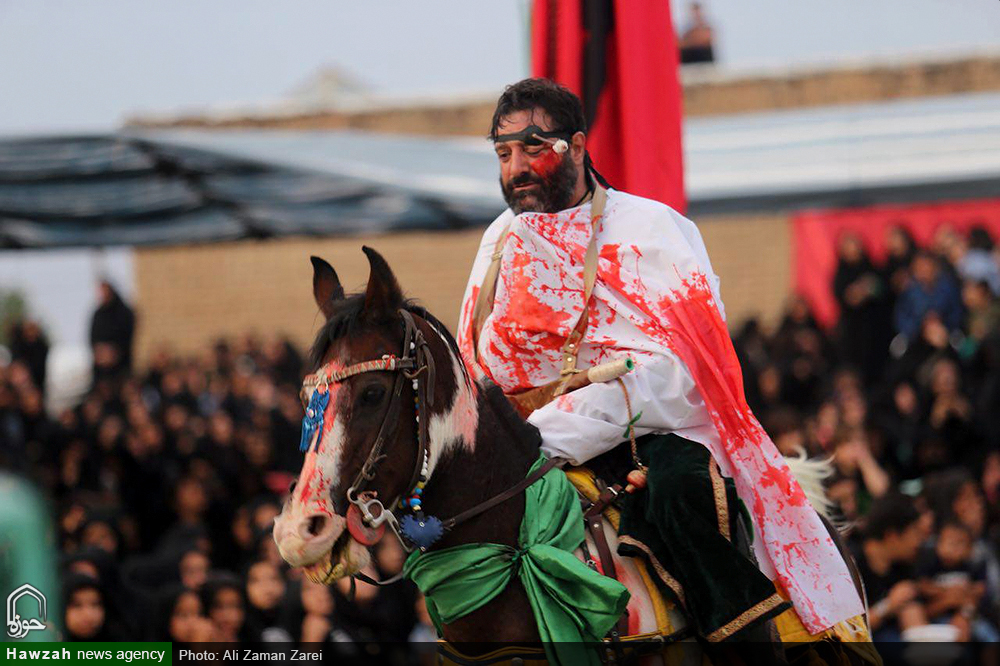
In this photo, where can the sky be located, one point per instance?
(79, 65)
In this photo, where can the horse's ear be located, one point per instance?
(383, 293)
(326, 286)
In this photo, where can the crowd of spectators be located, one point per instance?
(165, 483)
(165, 480)
(903, 395)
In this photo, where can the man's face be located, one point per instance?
(925, 270)
(954, 545)
(534, 178)
(905, 545)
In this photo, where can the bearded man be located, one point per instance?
(574, 275)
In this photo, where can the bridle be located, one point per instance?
(416, 364)
(366, 515)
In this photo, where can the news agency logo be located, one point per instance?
(18, 627)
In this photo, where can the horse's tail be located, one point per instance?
(811, 473)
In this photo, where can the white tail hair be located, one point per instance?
(811, 473)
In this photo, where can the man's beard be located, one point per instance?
(550, 195)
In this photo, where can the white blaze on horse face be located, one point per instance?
(457, 425)
(320, 474)
(298, 544)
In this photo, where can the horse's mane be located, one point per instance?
(346, 318)
(521, 430)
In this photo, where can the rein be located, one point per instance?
(366, 516)
(416, 364)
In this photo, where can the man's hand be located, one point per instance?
(901, 594)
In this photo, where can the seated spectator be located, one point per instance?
(265, 592)
(950, 413)
(854, 463)
(193, 567)
(954, 494)
(317, 624)
(901, 248)
(949, 246)
(953, 585)
(119, 597)
(977, 263)
(900, 423)
(865, 328)
(100, 529)
(85, 615)
(982, 314)
(179, 618)
(222, 599)
(931, 290)
(885, 554)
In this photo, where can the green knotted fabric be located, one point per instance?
(572, 603)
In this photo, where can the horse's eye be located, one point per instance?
(372, 394)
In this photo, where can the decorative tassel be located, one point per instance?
(636, 480)
(420, 530)
(312, 422)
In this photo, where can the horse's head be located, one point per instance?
(386, 399)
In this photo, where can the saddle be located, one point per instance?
(598, 504)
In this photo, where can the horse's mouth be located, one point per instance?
(335, 564)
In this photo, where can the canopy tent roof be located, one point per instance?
(176, 186)
(122, 189)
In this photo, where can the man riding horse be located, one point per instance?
(576, 274)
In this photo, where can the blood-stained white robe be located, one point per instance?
(656, 300)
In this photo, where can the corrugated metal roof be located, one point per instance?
(198, 185)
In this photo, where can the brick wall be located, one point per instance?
(752, 257)
(188, 296)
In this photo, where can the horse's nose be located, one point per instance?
(315, 527)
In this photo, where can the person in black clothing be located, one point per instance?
(865, 322)
(179, 618)
(265, 593)
(696, 42)
(85, 612)
(898, 419)
(953, 583)
(885, 554)
(223, 603)
(111, 333)
(29, 345)
(896, 270)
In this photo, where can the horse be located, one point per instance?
(401, 411)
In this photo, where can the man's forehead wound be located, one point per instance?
(532, 135)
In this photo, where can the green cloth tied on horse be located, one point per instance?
(572, 603)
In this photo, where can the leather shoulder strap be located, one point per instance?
(571, 348)
(488, 290)
(516, 489)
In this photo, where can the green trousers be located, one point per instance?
(695, 535)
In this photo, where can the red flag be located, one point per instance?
(620, 57)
